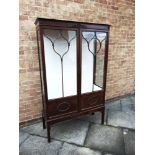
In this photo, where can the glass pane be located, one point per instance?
(60, 56)
(93, 48)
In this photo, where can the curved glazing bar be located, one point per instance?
(95, 39)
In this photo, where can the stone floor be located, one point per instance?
(85, 135)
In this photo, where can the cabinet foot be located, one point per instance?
(102, 119)
(48, 133)
(43, 119)
(44, 125)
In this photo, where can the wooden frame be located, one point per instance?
(63, 108)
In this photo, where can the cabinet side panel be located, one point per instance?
(41, 71)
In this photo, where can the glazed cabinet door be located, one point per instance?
(60, 55)
(93, 60)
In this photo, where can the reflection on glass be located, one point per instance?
(93, 48)
(60, 56)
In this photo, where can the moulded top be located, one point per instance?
(70, 24)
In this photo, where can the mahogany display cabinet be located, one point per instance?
(73, 60)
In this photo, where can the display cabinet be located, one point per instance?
(73, 60)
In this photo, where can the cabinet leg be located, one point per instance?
(48, 133)
(44, 125)
(102, 119)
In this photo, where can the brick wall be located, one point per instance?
(118, 13)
